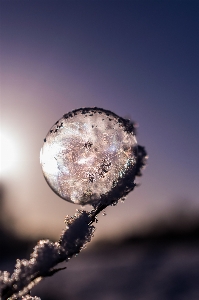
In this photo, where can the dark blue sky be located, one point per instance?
(137, 58)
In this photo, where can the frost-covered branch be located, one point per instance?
(46, 256)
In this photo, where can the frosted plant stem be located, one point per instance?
(47, 255)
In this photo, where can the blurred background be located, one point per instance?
(140, 60)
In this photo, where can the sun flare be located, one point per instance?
(8, 154)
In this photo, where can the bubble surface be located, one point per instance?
(88, 155)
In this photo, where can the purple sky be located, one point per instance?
(137, 58)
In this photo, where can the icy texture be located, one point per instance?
(46, 256)
(87, 154)
(28, 297)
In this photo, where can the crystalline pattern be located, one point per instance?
(86, 153)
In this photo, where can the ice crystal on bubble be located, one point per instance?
(89, 155)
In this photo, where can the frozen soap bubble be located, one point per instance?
(89, 156)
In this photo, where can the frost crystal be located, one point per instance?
(89, 156)
(28, 297)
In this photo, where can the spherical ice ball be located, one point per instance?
(89, 155)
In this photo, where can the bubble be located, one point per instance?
(89, 155)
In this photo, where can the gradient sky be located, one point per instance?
(139, 59)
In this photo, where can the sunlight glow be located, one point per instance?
(48, 156)
(85, 160)
(8, 154)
